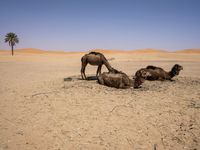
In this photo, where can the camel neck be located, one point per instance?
(172, 73)
(108, 66)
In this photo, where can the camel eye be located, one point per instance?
(144, 74)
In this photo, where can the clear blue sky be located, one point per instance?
(79, 25)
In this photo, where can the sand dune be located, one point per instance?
(38, 51)
(192, 51)
(148, 50)
(30, 50)
(105, 51)
(25, 50)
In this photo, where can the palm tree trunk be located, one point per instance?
(12, 50)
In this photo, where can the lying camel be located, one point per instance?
(117, 79)
(155, 73)
(158, 73)
(96, 59)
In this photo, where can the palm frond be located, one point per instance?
(11, 38)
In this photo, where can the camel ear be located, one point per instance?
(178, 66)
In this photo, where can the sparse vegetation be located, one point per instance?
(12, 39)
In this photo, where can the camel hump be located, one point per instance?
(96, 53)
(151, 67)
(100, 54)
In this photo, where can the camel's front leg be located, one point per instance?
(171, 80)
(99, 70)
(161, 79)
(121, 84)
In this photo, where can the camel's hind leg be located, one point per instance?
(99, 70)
(84, 64)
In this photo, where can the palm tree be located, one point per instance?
(12, 39)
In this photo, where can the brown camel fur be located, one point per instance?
(95, 59)
(155, 73)
(117, 79)
(140, 77)
(158, 73)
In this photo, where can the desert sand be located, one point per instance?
(41, 108)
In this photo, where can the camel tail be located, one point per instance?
(82, 59)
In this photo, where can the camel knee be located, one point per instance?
(100, 80)
(83, 74)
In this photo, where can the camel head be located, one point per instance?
(176, 69)
(140, 77)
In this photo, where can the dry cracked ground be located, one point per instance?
(81, 114)
(66, 113)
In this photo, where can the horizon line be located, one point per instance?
(104, 49)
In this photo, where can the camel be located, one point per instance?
(155, 73)
(115, 79)
(119, 79)
(95, 59)
(158, 73)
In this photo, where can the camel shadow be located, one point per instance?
(68, 79)
(72, 78)
(91, 78)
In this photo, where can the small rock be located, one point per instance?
(21, 132)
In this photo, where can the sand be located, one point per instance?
(40, 108)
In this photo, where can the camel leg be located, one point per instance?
(171, 80)
(83, 70)
(121, 84)
(125, 87)
(99, 70)
(161, 79)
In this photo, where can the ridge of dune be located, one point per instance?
(195, 50)
(39, 51)
(30, 50)
(148, 50)
(107, 51)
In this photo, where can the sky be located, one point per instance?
(81, 25)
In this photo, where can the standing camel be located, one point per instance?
(95, 59)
